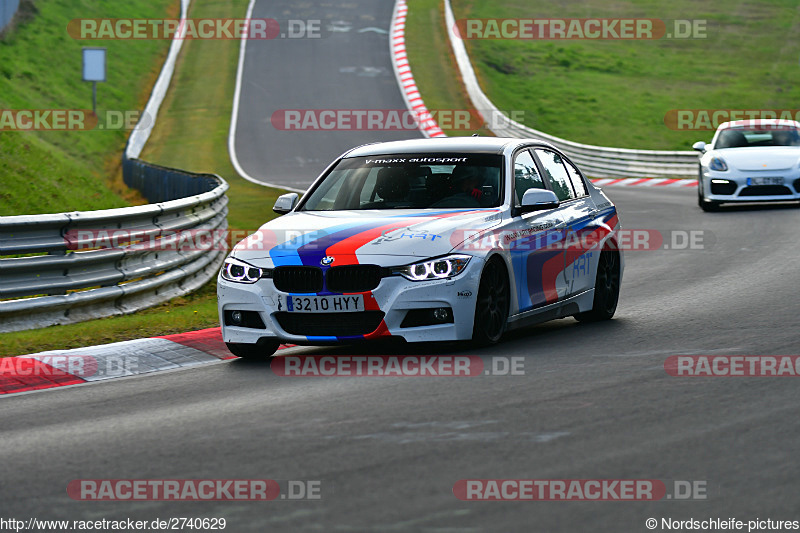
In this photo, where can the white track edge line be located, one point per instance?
(235, 115)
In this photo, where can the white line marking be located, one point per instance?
(235, 115)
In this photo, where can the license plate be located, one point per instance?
(765, 181)
(325, 304)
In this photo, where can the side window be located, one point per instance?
(554, 168)
(525, 175)
(577, 180)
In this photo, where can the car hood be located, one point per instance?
(350, 237)
(766, 158)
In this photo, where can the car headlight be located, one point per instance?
(241, 272)
(717, 163)
(444, 267)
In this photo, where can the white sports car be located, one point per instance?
(428, 240)
(750, 161)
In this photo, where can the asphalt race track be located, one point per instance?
(594, 403)
(347, 68)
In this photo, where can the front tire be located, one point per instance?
(606, 289)
(708, 206)
(491, 308)
(263, 350)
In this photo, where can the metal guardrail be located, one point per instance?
(141, 133)
(69, 283)
(596, 161)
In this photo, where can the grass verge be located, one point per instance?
(187, 313)
(40, 69)
(617, 92)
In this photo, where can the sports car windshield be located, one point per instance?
(746, 137)
(410, 181)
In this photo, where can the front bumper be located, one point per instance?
(395, 296)
(734, 186)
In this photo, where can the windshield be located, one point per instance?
(747, 137)
(410, 181)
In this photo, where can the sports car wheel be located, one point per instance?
(491, 308)
(263, 350)
(606, 289)
(705, 205)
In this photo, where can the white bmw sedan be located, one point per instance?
(427, 240)
(750, 161)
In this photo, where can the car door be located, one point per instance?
(535, 241)
(579, 213)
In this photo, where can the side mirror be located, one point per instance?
(285, 203)
(700, 146)
(538, 200)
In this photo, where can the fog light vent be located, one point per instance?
(243, 319)
(427, 317)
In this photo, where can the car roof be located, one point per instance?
(760, 122)
(485, 145)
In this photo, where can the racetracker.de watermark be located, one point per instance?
(199, 28)
(710, 119)
(580, 28)
(82, 366)
(538, 238)
(733, 365)
(391, 119)
(153, 240)
(72, 120)
(578, 490)
(396, 366)
(194, 489)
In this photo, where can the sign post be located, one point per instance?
(94, 70)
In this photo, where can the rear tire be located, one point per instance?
(263, 350)
(491, 308)
(606, 289)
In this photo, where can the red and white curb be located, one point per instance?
(58, 368)
(405, 79)
(645, 182)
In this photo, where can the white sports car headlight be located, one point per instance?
(717, 163)
(444, 267)
(241, 272)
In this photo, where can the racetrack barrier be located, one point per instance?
(45, 280)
